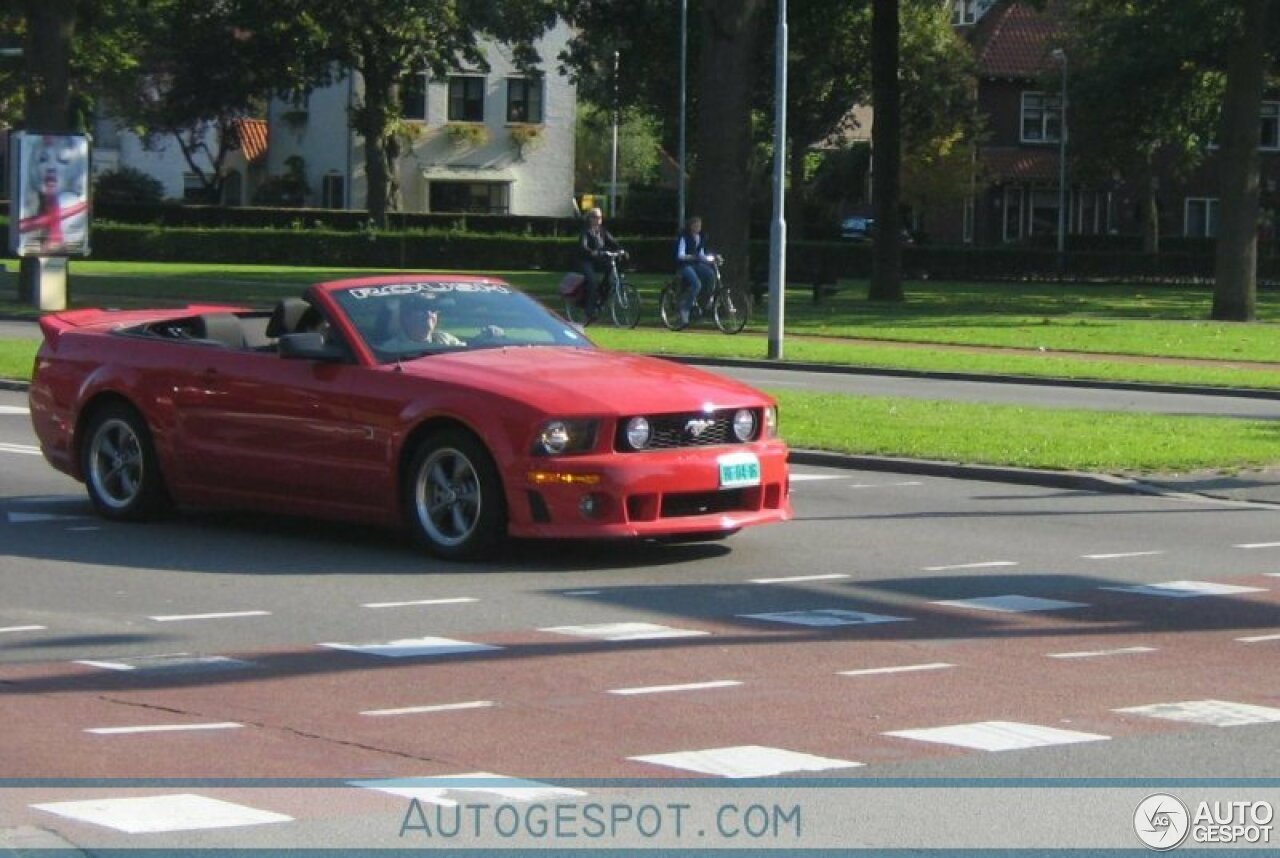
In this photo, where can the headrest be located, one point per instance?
(286, 317)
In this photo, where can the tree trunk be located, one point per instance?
(374, 124)
(1150, 211)
(1236, 268)
(886, 141)
(720, 189)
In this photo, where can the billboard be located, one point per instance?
(49, 210)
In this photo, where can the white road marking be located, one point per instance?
(411, 647)
(458, 601)
(1186, 589)
(804, 478)
(163, 728)
(14, 409)
(1248, 545)
(22, 629)
(583, 592)
(998, 736)
(1214, 713)
(885, 485)
(624, 631)
(902, 668)
(798, 578)
(24, 449)
(745, 761)
(421, 710)
(825, 617)
(1011, 604)
(226, 615)
(175, 662)
(152, 814)
(985, 565)
(431, 790)
(1121, 555)
(691, 686)
(1259, 639)
(40, 517)
(1125, 650)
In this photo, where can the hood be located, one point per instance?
(568, 381)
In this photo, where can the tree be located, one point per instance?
(639, 153)
(886, 143)
(387, 40)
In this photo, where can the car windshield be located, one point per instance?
(401, 321)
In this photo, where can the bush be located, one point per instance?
(127, 185)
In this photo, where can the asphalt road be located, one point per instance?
(903, 632)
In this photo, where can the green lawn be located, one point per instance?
(1147, 333)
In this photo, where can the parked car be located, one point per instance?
(456, 405)
(864, 229)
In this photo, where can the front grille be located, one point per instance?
(695, 429)
(706, 503)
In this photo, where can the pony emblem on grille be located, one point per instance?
(695, 427)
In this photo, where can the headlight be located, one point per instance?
(565, 436)
(770, 421)
(744, 424)
(639, 433)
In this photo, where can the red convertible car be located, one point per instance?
(456, 405)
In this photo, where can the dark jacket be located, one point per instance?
(688, 244)
(591, 246)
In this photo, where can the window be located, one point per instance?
(1012, 213)
(524, 99)
(413, 97)
(968, 11)
(332, 191)
(1201, 218)
(1041, 117)
(466, 99)
(470, 197)
(1270, 125)
(1044, 212)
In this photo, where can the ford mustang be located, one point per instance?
(455, 405)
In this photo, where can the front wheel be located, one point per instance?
(120, 466)
(732, 309)
(624, 305)
(453, 497)
(669, 306)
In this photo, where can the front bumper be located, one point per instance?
(648, 494)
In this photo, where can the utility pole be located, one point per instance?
(778, 232)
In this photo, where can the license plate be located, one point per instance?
(739, 469)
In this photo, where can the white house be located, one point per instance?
(499, 142)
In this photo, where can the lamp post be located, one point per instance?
(1060, 56)
(613, 156)
(778, 230)
(684, 98)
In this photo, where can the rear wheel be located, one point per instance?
(624, 305)
(732, 309)
(454, 499)
(575, 310)
(669, 305)
(121, 470)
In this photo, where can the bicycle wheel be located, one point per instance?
(669, 305)
(732, 309)
(624, 305)
(574, 310)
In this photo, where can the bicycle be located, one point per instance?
(620, 296)
(729, 306)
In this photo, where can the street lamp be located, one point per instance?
(684, 98)
(1060, 56)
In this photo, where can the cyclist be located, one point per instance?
(593, 263)
(694, 264)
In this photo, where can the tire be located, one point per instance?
(669, 306)
(120, 466)
(624, 305)
(732, 309)
(453, 497)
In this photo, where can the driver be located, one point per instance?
(421, 324)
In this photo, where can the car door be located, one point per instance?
(254, 425)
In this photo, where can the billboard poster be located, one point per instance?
(49, 214)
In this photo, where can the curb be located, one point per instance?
(1140, 386)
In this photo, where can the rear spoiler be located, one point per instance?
(54, 325)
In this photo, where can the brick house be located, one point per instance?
(1018, 167)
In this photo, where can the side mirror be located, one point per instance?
(310, 346)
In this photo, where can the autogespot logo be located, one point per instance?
(1161, 821)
